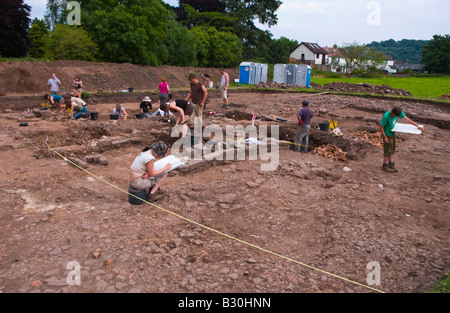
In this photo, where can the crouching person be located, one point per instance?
(143, 175)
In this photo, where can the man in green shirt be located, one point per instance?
(387, 124)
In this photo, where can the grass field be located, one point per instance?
(427, 87)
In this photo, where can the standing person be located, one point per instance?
(146, 106)
(121, 111)
(54, 83)
(164, 91)
(389, 142)
(77, 87)
(183, 110)
(143, 175)
(224, 83)
(198, 95)
(304, 120)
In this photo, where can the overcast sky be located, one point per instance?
(329, 22)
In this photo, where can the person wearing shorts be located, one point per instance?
(389, 141)
(198, 94)
(77, 87)
(143, 175)
(224, 83)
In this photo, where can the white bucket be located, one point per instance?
(211, 84)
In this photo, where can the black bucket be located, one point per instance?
(141, 194)
(94, 116)
(130, 89)
(114, 116)
(324, 126)
(140, 116)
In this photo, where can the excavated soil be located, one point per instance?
(337, 216)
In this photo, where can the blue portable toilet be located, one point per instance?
(301, 78)
(308, 77)
(244, 73)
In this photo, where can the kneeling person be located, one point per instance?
(143, 175)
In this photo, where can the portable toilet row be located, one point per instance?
(294, 74)
(252, 73)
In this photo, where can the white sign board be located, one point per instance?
(406, 128)
(176, 162)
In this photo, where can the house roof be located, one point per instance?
(406, 66)
(314, 47)
(333, 52)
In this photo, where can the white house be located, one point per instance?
(389, 65)
(309, 53)
(335, 59)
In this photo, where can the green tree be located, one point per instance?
(234, 16)
(279, 50)
(56, 12)
(225, 49)
(215, 48)
(361, 57)
(405, 50)
(436, 55)
(132, 31)
(14, 25)
(217, 20)
(201, 45)
(69, 43)
(181, 46)
(38, 35)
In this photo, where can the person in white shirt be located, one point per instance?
(225, 81)
(121, 111)
(54, 84)
(143, 175)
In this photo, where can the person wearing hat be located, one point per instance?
(143, 175)
(304, 119)
(146, 106)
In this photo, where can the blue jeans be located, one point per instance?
(78, 114)
(302, 138)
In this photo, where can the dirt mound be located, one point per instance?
(363, 88)
(445, 97)
(32, 77)
(277, 85)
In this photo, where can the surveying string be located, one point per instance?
(214, 230)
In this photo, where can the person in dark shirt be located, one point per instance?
(183, 110)
(146, 106)
(198, 95)
(304, 120)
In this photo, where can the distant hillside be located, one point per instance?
(405, 50)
